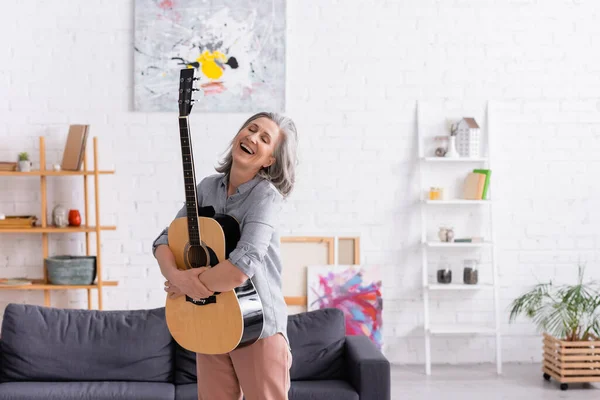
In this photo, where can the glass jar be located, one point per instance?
(436, 193)
(470, 272)
(444, 273)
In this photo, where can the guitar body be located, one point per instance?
(224, 321)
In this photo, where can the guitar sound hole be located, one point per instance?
(197, 257)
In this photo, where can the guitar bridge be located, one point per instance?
(202, 302)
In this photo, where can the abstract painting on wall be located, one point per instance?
(236, 46)
(354, 289)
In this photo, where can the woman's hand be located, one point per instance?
(172, 290)
(187, 282)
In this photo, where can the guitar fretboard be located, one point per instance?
(189, 181)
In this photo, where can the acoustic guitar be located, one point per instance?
(227, 320)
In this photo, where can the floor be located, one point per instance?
(480, 382)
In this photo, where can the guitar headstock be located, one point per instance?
(186, 81)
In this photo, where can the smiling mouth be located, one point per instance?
(246, 148)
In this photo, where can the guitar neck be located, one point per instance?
(189, 181)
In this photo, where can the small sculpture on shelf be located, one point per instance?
(446, 234)
(59, 216)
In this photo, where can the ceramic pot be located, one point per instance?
(25, 166)
(74, 218)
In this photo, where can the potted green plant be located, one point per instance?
(569, 318)
(24, 162)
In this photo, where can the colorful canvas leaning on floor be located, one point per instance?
(354, 289)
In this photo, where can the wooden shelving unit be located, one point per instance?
(45, 229)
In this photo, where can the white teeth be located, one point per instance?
(246, 148)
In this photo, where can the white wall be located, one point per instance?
(354, 73)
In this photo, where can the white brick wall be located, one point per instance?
(355, 71)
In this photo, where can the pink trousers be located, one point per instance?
(260, 371)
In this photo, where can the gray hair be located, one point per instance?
(282, 173)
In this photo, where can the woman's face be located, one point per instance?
(255, 144)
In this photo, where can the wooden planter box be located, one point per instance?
(571, 362)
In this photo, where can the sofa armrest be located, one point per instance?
(368, 369)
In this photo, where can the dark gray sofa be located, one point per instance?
(62, 354)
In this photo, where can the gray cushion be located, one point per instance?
(317, 339)
(186, 392)
(50, 344)
(185, 366)
(322, 390)
(86, 390)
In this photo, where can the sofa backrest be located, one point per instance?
(50, 344)
(318, 340)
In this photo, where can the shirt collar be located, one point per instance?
(244, 187)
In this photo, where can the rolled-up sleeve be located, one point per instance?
(163, 237)
(257, 231)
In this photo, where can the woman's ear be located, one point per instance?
(271, 161)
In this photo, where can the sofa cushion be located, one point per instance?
(317, 340)
(50, 344)
(322, 390)
(186, 392)
(185, 366)
(86, 390)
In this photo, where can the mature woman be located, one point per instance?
(257, 173)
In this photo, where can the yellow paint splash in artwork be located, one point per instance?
(209, 67)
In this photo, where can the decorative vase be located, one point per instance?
(452, 152)
(25, 166)
(74, 218)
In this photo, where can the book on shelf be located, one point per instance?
(74, 148)
(18, 221)
(476, 184)
(475, 239)
(8, 166)
(15, 281)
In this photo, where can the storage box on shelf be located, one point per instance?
(45, 228)
(438, 201)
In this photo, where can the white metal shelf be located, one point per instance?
(457, 202)
(461, 330)
(458, 244)
(433, 329)
(460, 286)
(454, 160)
